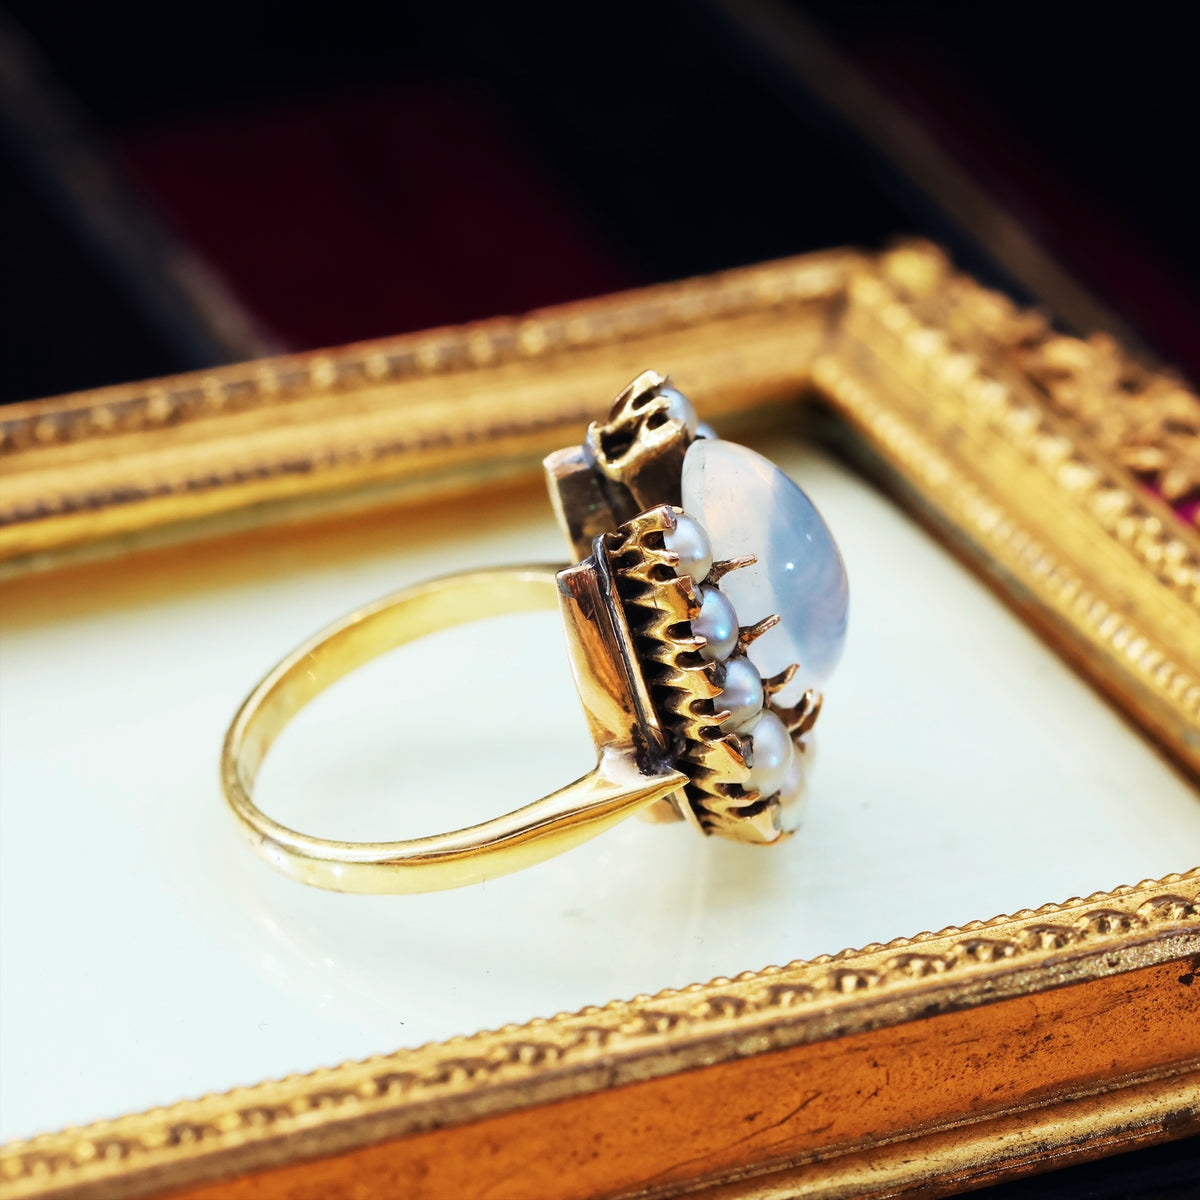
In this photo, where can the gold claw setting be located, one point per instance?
(620, 496)
(660, 607)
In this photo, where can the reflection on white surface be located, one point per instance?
(148, 956)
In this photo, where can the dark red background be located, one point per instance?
(361, 171)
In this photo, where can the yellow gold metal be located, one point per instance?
(721, 568)
(622, 488)
(847, 1075)
(658, 604)
(1020, 446)
(802, 716)
(630, 462)
(639, 449)
(649, 693)
(751, 633)
(624, 780)
(395, 419)
(776, 683)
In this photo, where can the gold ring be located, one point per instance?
(697, 715)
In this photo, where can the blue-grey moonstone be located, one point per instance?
(749, 506)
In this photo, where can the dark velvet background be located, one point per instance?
(361, 170)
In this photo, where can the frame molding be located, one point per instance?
(952, 391)
(887, 997)
(98, 472)
(936, 1062)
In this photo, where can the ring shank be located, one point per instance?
(614, 790)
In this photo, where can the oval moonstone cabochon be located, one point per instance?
(749, 506)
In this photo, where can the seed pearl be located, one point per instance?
(741, 694)
(717, 624)
(705, 430)
(793, 792)
(679, 408)
(690, 542)
(771, 753)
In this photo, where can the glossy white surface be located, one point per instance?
(147, 956)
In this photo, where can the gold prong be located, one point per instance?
(802, 716)
(777, 683)
(814, 711)
(719, 570)
(749, 633)
(686, 694)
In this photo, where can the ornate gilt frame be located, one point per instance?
(934, 1063)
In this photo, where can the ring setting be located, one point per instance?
(736, 698)
(704, 613)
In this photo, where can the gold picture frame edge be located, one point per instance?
(856, 994)
(1104, 570)
(137, 463)
(997, 1149)
(820, 321)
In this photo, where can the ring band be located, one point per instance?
(614, 790)
(693, 717)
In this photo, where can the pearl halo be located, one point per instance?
(743, 750)
(775, 765)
